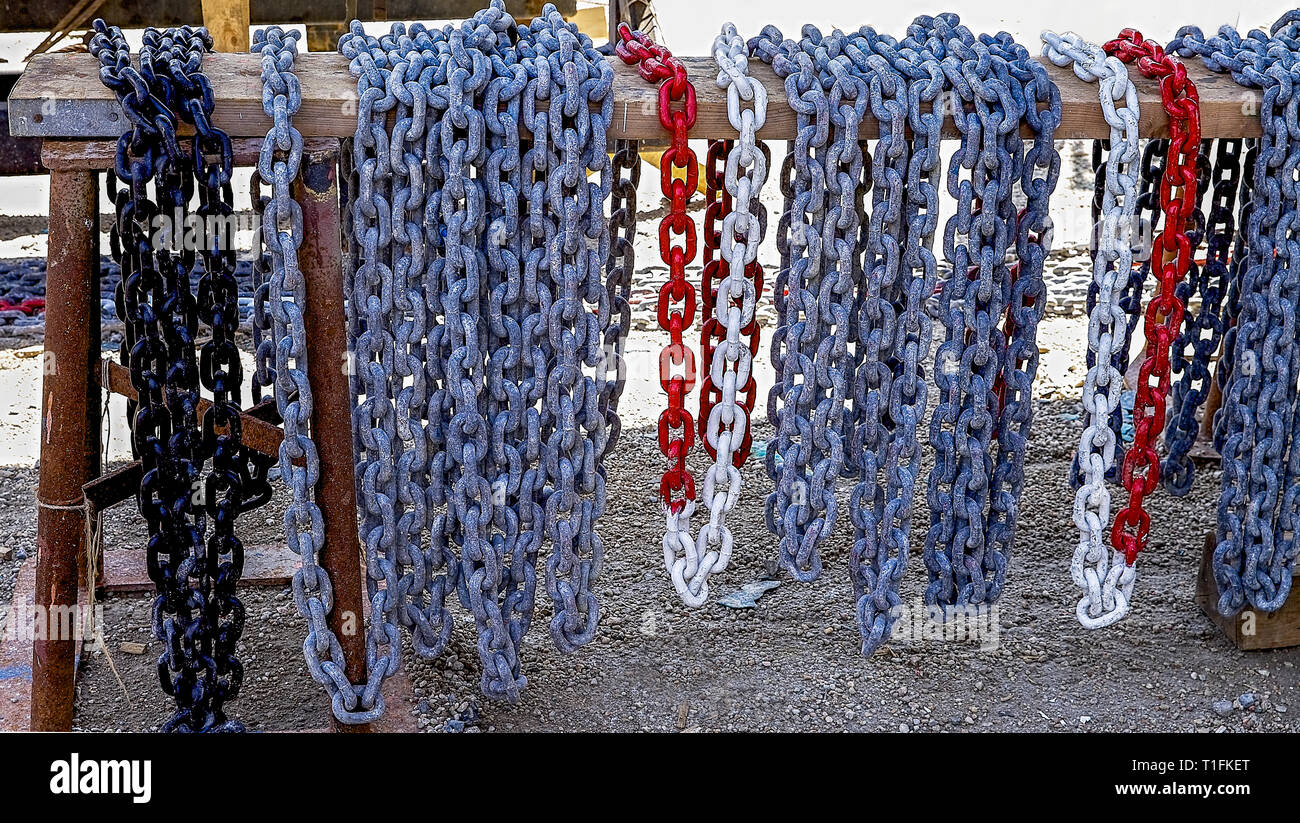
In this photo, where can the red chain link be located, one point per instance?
(1171, 257)
(29, 307)
(719, 206)
(677, 297)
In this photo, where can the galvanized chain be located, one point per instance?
(1171, 257)
(574, 433)
(369, 305)
(901, 82)
(1104, 576)
(281, 301)
(895, 333)
(815, 298)
(985, 371)
(1202, 330)
(196, 614)
(1260, 500)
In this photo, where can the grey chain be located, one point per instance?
(486, 391)
(894, 328)
(815, 297)
(985, 369)
(573, 425)
(281, 302)
(1259, 507)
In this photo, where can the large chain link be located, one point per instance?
(281, 300)
(1260, 501)
(1171, 258)
(1104, 576)
(893, 332)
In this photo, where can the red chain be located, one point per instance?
(1171, 257)
(677, 297)
(29, 307)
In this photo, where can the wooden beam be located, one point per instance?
(228, 22)
(60, 95)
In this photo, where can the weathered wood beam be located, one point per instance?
(60, 95)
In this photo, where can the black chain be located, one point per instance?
(1202, 331)
(196, 613)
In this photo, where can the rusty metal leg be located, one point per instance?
(321, 260)
(69, 426)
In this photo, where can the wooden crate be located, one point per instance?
(1250, 630)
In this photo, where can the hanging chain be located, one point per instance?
(281, 300)
(197, 615)
(815, 297)
(1105, 577)
(894, 335)
(733, 231)
(574, 433)
(1203, 331)
(1171, 257)
(369, 304)
(676, 308)
(1259, 506)
(985, 370)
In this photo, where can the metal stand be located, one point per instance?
(70, 436)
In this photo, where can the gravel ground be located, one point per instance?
(792, 663)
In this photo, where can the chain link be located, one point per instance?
(894, 332)
(281, 300)
(1105, 578)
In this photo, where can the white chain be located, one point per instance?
(691, 562)
(1106, 580)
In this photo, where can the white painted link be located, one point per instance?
(1106, 580)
